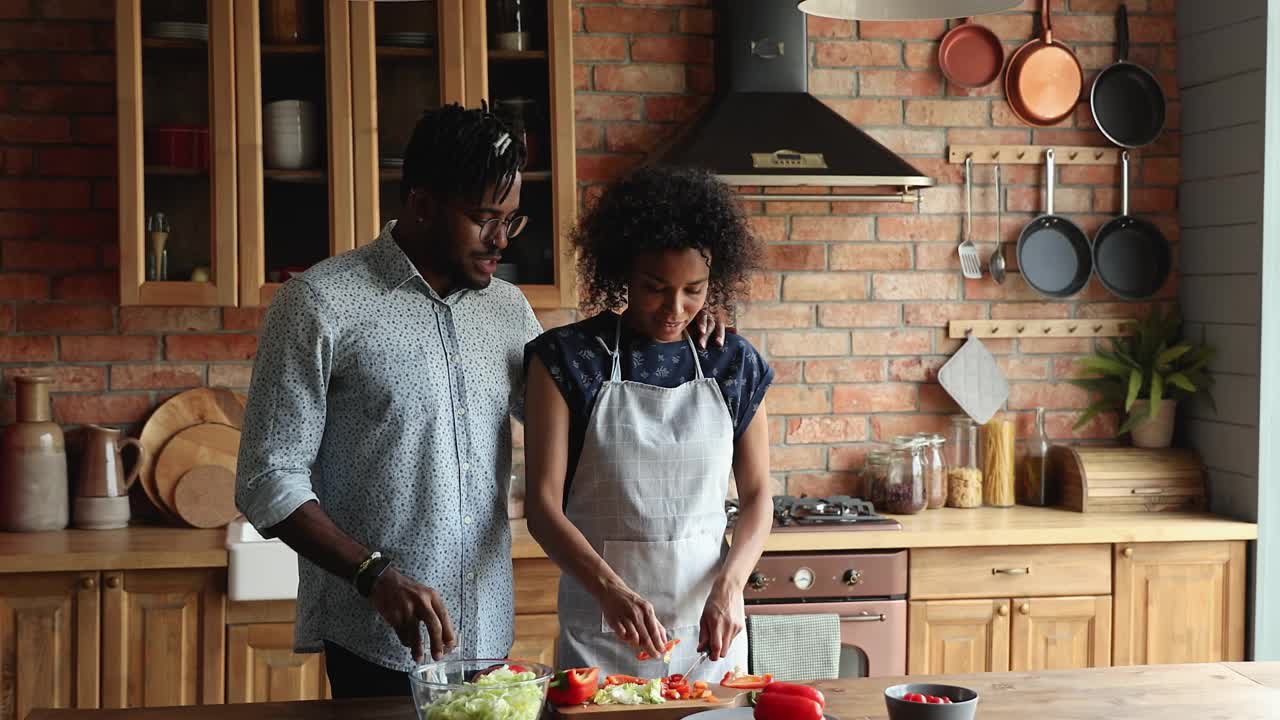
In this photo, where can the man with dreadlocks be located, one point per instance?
(376, 440)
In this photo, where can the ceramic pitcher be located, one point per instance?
(33, 464)
(101, 467)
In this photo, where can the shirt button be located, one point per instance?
(462, 411)
(466, 466)
(466, 520)
(471, 577)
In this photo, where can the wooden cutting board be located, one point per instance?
(193, 407)
(206, 496)
(203, 444)
(670, 710)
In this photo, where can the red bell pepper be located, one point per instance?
(612, 680)
(780, 706)
(803, 691)
(666, 651)
(746, 682)
(574, 686)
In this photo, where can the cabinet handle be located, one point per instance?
(1025, 608)
(866, 617)
(1127, 552)
(1003, 611)
(88, 583)
(1146, 491)
(1011, 571)
(113, 581)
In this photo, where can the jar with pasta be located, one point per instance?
(905, 491)
(964, 477)
(998, 469)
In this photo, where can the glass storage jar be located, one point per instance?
(936, 471)
(964, 477)
(904, 489)
(875, 473)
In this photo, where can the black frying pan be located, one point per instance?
(1130, 255)
(1053, 252)
(1127, 103)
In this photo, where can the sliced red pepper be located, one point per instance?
(612, 680)
(746, 682)
(780, 706)
(573, 686)
(666, 651)
(804, 691)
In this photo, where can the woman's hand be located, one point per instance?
(723, 619)
(633, 619)
(707, 325)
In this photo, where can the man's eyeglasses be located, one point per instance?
(489, 228)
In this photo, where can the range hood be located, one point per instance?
(763, 128)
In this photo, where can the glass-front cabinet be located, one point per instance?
(258, 137)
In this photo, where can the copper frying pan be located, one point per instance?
(970, 55)
(1044, 79)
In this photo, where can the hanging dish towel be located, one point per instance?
(974, 380)
(794, 648)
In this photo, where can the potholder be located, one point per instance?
(974, 380)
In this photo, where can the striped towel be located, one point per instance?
(794, 648)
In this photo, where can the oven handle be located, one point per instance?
(862, 618)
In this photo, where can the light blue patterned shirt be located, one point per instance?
(391, 406)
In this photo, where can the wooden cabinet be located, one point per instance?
(269, 148)
(1060, 633)
(49, 625)
(957, 636)
(537, 582)
(262, 667)
(163, 640)
(536, 638)
(1179, 602)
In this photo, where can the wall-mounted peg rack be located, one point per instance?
(1073, 328)
(1033, 154)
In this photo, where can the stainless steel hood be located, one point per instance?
(764, 128)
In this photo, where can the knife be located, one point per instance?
(702, 657)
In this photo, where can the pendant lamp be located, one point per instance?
(903, 9)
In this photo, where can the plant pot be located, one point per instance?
(1156, 432)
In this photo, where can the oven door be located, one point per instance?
(873, 633)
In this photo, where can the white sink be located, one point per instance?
(258, 568)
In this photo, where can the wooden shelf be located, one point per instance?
(536, 175)
(300, 176)
(292, 49)
(517, 55)
(176, 171)
(397, 51)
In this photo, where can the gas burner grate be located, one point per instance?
(804, 511)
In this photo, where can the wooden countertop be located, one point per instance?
(1239, 691)
(950, 527)
(133, 548)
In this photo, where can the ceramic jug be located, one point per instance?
(33, 464)
(101, 467)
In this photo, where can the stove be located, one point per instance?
(838, 512)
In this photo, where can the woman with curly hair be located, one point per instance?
(632, 431)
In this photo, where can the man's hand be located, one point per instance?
(404, 603)
(708, 325)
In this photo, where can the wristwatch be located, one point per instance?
(369, 571)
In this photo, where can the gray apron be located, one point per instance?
(649, 494)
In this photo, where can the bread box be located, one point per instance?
(1127, 479)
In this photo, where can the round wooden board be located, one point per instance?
(206, 496)
(201, 405)
(203, 444)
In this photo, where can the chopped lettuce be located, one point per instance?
(491, 697)
(629, 694)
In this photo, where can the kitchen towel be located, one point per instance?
(794, 648)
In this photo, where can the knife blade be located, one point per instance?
(702, 657)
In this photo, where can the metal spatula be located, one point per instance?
(970, 263)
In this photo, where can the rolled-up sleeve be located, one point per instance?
(285, 416)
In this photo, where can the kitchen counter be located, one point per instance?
(1239, 691)
(951, 527)
(132, 548)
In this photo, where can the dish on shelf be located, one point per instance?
(178, 30)
(178, 146)
(407, 39)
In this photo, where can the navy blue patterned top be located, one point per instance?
(579, 364)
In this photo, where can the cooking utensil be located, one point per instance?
(1131, 256)
(697, 663)
(216, 405)
(206, 496)
(970, 55)
(1053, 252)
(970, 264)
(1127, 101)
(1044, 79)
(204, 444)
(996, 264)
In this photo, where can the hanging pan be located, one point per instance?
(970, 55)
(1044, 79)
(1128, 104)
(1053, 252)
(1130, 255)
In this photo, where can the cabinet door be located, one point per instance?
(1179, 602)
(48, 642)
(262, 667)
(177, 152)
(1061, 633)
(519, 58)
(536, 638)
(406, 57)
(957, 636)
(294, 128)
(163, 638)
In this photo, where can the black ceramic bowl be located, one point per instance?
(964, 702)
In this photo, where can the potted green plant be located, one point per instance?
(1144, 375)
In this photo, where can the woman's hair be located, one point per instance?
(463, 151)
(653, 209)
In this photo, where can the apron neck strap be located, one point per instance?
(697, 361)
(615, 372)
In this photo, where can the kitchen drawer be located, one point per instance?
(537, 582)
(1024, 571)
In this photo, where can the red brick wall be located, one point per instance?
(850, 312)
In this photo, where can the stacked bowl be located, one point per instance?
(290, 135)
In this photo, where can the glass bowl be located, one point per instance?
(478, 689)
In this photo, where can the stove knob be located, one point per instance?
(803, 579)
(758, 581)
(852, 577)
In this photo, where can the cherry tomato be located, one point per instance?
(933, 700)
(946, 700)
(913, 697)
